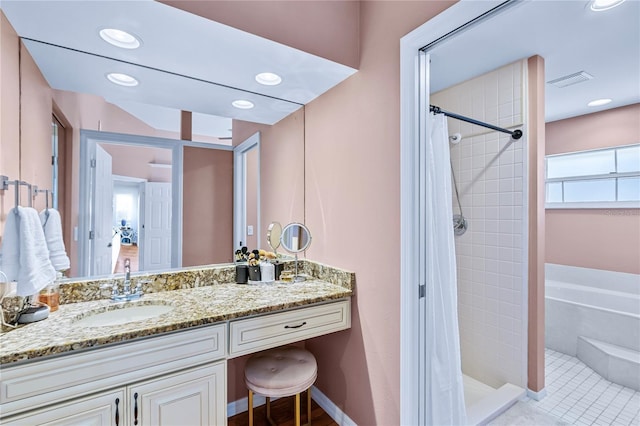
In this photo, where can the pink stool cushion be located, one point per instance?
(281, 372)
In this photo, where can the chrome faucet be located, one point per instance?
(126, 294)
(126, 288)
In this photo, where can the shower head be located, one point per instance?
(455, 138)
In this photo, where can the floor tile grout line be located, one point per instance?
(605, 401)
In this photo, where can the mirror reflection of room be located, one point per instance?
(202, 131)
(141, 205)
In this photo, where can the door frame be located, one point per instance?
(240, 193)
(140, 187)
(88, 141)
(414, 77)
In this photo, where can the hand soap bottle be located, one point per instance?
(50, 295)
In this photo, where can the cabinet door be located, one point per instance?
(192, 397)
(105, 409)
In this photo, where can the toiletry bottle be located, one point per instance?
(267, 271)
(50, 295)
(242, 273)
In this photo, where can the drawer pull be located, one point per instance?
(295, 326)
(117, 413)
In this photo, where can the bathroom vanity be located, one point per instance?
(85, 364)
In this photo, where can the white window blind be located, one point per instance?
(594, 179)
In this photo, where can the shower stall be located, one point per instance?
(489, 221)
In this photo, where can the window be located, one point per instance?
(594, 179)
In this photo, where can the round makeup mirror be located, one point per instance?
(295, 238)
(274, 232)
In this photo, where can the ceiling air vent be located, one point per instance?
(571, 79)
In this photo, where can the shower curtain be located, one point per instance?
(445, 392)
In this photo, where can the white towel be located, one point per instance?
(10, 248)
(52, 226)
(25, 257)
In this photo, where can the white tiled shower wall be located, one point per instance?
(491, 256)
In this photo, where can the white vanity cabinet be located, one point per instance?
(104, 409)
(153, 378)
(193, 397)
(177, 378)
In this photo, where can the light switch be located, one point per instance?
(249, 229)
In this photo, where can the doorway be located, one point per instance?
(154, 216)
(415, 126)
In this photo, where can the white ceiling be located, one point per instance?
(569, 36)
(183, 54)
(186, 62)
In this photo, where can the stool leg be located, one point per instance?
(297, 409)
(309, 406)
(250, 407)
(268, 407)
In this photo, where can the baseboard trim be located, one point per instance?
(330, 408)
(242, 405)
(537, 395)
(338, 416)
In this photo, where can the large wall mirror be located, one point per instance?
(198, 74)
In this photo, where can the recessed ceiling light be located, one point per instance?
(268, 79)
(120, 38)
(599, 102)
(242, 104)
(122, 79)
(600, 5)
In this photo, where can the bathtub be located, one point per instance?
(593, 304)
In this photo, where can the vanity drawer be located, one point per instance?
(269, 331)
(48, 381)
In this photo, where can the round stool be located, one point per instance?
(281, 372)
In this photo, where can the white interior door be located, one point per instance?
(156, 227)
(102, 214)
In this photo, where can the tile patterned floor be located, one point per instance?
(579, 396)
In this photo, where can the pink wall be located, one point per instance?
(594, 238)
(9, 113)
(207, 215)
(329, 28)
(25, 122)
(536, 240)
(352, 196)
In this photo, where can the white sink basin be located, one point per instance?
(123, 316)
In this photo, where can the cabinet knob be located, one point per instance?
(117, 412)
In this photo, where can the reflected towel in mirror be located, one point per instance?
(52, 226)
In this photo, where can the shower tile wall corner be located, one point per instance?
(491, 262)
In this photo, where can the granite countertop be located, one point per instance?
(192, 307)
